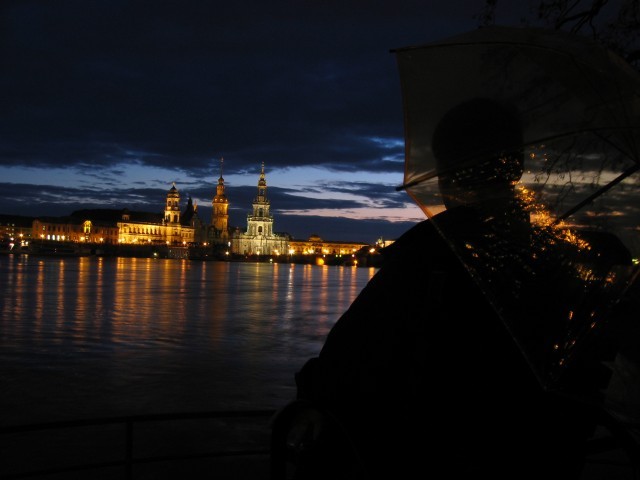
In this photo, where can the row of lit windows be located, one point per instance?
(68, 229)
(67, 238)
(141, 230)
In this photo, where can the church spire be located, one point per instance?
(262, 187)
(220, 188)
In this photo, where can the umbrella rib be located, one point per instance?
(629, 171)
(422, 178)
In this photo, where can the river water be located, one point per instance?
(93, 337)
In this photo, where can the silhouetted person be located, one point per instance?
(420, 374)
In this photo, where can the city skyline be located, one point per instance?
(204, 214)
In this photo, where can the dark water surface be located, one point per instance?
(93, 337)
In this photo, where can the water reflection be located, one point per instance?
(132, 335)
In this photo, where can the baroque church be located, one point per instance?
(259, 238)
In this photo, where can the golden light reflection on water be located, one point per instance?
(169, 304)
(40, 294)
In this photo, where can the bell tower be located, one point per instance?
(220, 209)
(172, 208)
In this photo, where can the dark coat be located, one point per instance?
(422, 373)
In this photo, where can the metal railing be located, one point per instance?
(128, 459)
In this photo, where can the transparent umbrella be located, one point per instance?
(537, 133)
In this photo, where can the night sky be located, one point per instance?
(106, 103)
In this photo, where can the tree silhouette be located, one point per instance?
(615, 25)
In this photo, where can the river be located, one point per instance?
(93, 337)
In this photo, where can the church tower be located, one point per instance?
(260, 221)
(172, 208)
(220, 210)
(259, 238)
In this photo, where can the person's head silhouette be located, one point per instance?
(478, 150)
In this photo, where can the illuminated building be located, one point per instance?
(169, 230)
(15, 232)
(317, 246)
(109, 226)
(259, 239)
(73, 229)
(219, 229)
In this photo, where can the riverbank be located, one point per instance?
(363, 258)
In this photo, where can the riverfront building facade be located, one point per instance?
(105, 226)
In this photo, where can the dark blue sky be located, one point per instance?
(105, 103)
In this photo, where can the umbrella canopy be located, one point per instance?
(538, 133)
